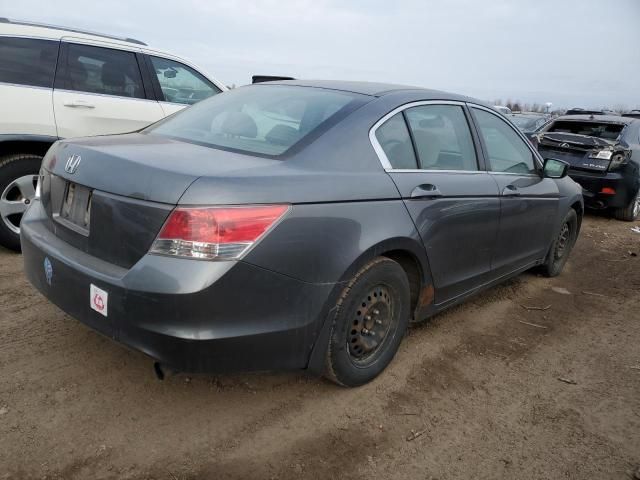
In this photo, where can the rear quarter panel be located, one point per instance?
(328, 242)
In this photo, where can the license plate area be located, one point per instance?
(75, 211)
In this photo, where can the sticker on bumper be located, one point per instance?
(48, 270)
(99, 300)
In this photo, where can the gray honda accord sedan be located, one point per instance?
(294, 225)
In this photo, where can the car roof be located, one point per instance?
(372, 88)
(597, 118)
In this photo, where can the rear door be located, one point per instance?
(177, 85)
(528, 202)
(27, 67)
(429, 151)
(100, 91)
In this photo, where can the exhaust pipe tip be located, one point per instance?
(157, 369)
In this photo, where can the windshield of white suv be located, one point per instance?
(262, 119)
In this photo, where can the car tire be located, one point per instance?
(371, 318)
(631, 212)
(15, 173)
(561, 246)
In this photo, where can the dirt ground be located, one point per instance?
(487, 390)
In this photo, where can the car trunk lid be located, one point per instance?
(581, 152)
(109, 196)
(147, 167)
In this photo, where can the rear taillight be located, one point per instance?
(618, 160)
(215, 233)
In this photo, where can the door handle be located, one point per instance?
(510, 191)
(426, 190)
(78, 103)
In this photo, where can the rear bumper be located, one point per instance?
(593, 185)
(189, 315)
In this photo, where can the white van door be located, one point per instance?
(100, 91)
(27, 67)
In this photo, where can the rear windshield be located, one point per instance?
(262, 119)
(526, 123)
(609, 131)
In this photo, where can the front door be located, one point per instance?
(453, 202)
(100, 91)
(528, 202)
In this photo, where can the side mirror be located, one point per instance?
(170, 73)
(554, 168)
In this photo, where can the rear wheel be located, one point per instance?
(631, 212)
(18, 178)
(561, 245)
(371, 319)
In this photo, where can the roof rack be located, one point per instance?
(74, 30)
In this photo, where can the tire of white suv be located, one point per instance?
(18, 178)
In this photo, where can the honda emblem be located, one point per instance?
(73, 162)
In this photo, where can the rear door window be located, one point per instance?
(507, 151)
(393, 136)
(27, 61)
(442, 137)
(181, 84)
(105, 71)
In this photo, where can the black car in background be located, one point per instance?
(604, 154)
(632, 114)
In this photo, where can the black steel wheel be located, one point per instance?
(371, 325)
(561, 246)
(371, 318)
(564, 238)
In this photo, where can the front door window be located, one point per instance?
(181, 84)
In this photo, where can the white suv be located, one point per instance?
(57, 82)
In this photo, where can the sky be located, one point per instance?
(571, 53)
